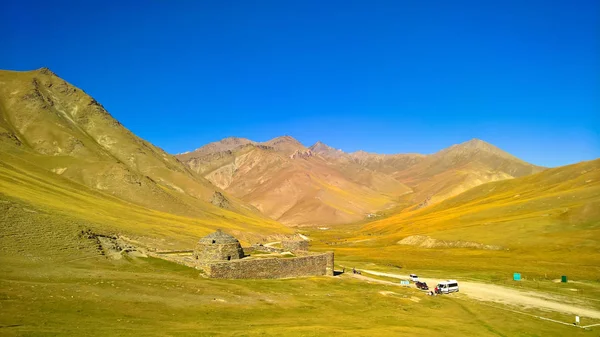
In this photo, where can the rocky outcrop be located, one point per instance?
(219, 200)
(424, 203)
(301, 154)
(424, 241)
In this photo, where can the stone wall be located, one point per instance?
(267, 249)
(311, 265)
(330, 262)
(187, 261)
(248, 250)
(295, 245)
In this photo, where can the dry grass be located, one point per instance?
(548, 224)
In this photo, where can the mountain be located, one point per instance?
(458, 168)
(537, 220)
(289, 183)
(285, 144)
(327, 151)
(568, 194)
(48, 123)
(269, 176)
(441, 175)
(54, 137)
(222, 145)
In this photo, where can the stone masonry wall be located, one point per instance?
(329, 268)
(188, 262)
(267, 249)
(292, 246)
(248, 250)
(216, 252)
(311, 265)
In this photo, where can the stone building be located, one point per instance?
(218, 246)
(294, 245)
(220, 255)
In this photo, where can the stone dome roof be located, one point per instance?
(218, 237)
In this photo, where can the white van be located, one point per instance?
(447, 287)
(413, 277)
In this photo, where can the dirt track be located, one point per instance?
(504, 295)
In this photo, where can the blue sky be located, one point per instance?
(381, 76)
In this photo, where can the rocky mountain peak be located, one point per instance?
(476, 143)
(285, 144)
(46, 71)
(320, 146)
(235, 141)
(476, 146)
(225, 144)
(284, 140)
(326, 150)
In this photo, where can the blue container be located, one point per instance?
(517, 276)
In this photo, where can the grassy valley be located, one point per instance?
(55, 282)
(545, 225)
(68, 171)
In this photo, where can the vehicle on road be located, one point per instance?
(413, 277)
(422, 285)
(447, 287)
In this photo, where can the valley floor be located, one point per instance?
(150, 297)
(504, 295)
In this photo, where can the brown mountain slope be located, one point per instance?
(285, 144)
(270, 176)
(458, 168)
(289, 183)
(441, 175)
(220, 146)
(49, 124)
(550, 211)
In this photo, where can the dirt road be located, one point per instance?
(499, 294)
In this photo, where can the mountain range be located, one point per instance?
(300, 185)
(62, 153)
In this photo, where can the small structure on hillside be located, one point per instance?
(220, 255)
(218, 246)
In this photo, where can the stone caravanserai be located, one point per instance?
(220, 255)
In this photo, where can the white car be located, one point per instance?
(414, 277)
(447, 287)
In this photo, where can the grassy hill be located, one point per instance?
(62, 152)
(546, 223)
(53, 281)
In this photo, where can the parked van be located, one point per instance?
(414, 277)
(447, 287)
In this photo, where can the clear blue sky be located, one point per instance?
(382, 76)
